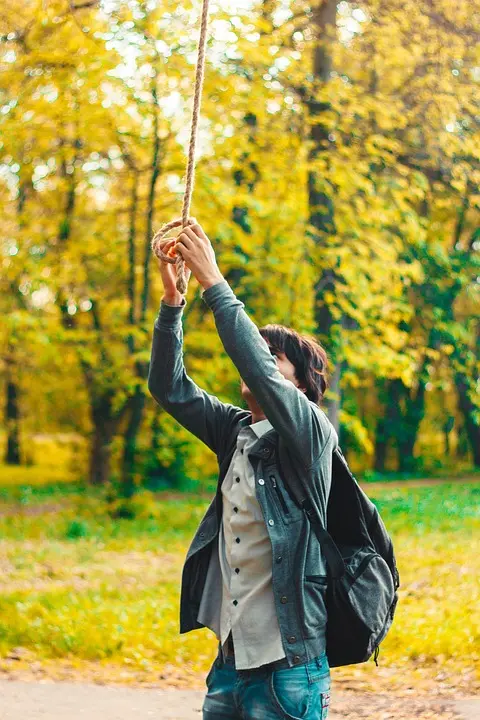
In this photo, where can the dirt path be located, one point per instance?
(68, 701)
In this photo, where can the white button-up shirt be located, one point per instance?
(238, 593)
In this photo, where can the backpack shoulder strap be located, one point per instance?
(329, 548)
(332, 554)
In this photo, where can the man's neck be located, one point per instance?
(257, 417)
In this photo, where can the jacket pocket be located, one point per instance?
(314, 604)
(280, 497)
(289, 512)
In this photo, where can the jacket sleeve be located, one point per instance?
(202, 414)
(303, 425)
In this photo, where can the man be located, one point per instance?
(255, 574)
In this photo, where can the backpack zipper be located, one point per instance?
(279, 495)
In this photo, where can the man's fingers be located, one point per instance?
(180, 249)
(183, 251)
(184, 240)
(169, 248)
(198, 230)
(196, 233)
(190, 233)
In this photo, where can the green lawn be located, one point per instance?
(78, 585)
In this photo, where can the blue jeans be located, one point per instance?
(300, 692)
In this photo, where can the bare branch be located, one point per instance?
(83, 6)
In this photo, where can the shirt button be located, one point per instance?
(237, 479)
(235, 602)
(237, 570)
(237, 540)
(261, 481)
(296, 658)
(283, 599)
(270, 522)
(241, 451)
(235, 509)
(292, 639)
(279, 558)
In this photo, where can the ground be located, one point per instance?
(62, 701)
(89, 609)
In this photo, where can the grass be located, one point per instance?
(443, 473)
(80, 586)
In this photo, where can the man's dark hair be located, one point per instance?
(306, 355)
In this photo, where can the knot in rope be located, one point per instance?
(160, 240)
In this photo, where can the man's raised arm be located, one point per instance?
(202, 414)
(304, 426)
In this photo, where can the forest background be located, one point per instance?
(337, 178)
(338, 173)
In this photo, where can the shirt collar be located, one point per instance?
(261, 427)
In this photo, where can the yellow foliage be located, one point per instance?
(93, 97)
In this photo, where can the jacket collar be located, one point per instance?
(265, 445)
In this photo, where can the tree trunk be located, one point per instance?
(137, 405)
(155, 429)
(155, 473)
(132, 232)
(333, 400)
(468, 409)
(402, 416)
(321, 209)
(105, 424)
(100, 451)
(151, 200)
(381, 444)
(12, 389)
(412, 416)
(137, 402)
(12, 413)
(406, 460)
(386, 424)
(240, 213)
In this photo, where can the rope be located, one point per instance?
(160, 239)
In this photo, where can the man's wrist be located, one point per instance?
(172, 299)
(212, 280)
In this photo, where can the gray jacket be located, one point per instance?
(299, 447)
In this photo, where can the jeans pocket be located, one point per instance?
(318, 671)
(291, 692)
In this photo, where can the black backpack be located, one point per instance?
(363, 579)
